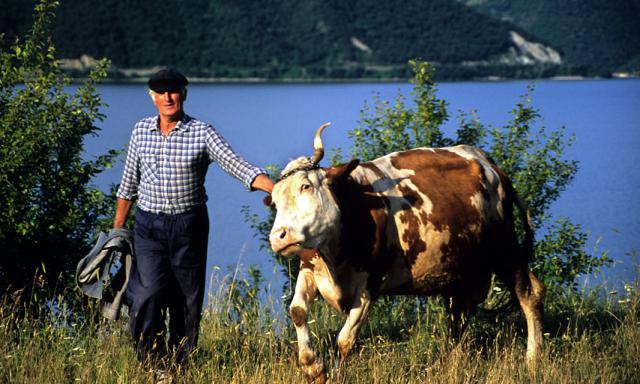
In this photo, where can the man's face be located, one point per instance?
(169, 103)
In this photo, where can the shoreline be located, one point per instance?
(77, 69)
(263, 81)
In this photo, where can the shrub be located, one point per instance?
(50, 206)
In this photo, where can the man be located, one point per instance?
(165, 169)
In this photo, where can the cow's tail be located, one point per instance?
(507, 303)
(512, 197)
(525, 215)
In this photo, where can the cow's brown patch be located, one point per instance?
(449, 181)
(306, 257)
(411, 233)
(298, 316)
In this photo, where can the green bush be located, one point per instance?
(50, 206)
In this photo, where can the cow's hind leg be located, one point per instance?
(530, 294)
(462, 300)
(462, 305)
(459, 309)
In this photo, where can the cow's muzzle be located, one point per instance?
(283, 243)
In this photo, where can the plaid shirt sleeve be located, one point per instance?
(222, 153)
(128, 189)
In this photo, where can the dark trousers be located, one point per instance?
(168, 279)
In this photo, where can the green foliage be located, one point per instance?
(303, 39)
(561, 255)
(243, 297)
(49, 205)
(388, 128)
(534, 159)
(591, 337)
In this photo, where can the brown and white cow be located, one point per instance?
(427, 221)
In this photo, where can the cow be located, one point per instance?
(426, 221)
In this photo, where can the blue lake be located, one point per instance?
(272, 123)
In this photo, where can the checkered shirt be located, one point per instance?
(166, 173)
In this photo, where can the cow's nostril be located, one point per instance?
(283, 234)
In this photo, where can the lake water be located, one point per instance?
(272, 123)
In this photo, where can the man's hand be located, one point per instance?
(263, 183)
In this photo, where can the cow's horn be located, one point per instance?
(318, 148)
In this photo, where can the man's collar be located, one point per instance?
(181, 126)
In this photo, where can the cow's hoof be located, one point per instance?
(316, 377)
(320, 379)
(315, 374)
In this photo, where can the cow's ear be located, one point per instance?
(341, 172)
(267, 200)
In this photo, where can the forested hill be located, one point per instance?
(602, 34)
(293, 38)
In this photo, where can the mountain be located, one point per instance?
(601, 34)
(301, 39)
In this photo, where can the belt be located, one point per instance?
(162, 213)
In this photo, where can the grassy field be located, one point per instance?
(591, 337)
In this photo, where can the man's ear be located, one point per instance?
(340, 173)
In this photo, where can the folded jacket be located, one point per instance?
(104, 273)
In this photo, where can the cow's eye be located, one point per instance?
(305, 187)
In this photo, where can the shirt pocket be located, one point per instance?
(149, 169)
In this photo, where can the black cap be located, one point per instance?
(167, 79)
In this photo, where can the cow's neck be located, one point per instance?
(362, 236)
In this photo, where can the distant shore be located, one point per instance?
(78, 69)
(256, 80)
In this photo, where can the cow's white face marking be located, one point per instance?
(306, 211)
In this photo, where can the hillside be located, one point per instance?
(304, 39)
(601, 34)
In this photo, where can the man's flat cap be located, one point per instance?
(167, 79)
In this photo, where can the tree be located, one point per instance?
(50, 206)
(534, 159)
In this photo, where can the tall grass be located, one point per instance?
(591, 337)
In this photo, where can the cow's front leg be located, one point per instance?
(356, 316)
(306, 291)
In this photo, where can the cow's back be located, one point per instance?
(445, 216)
